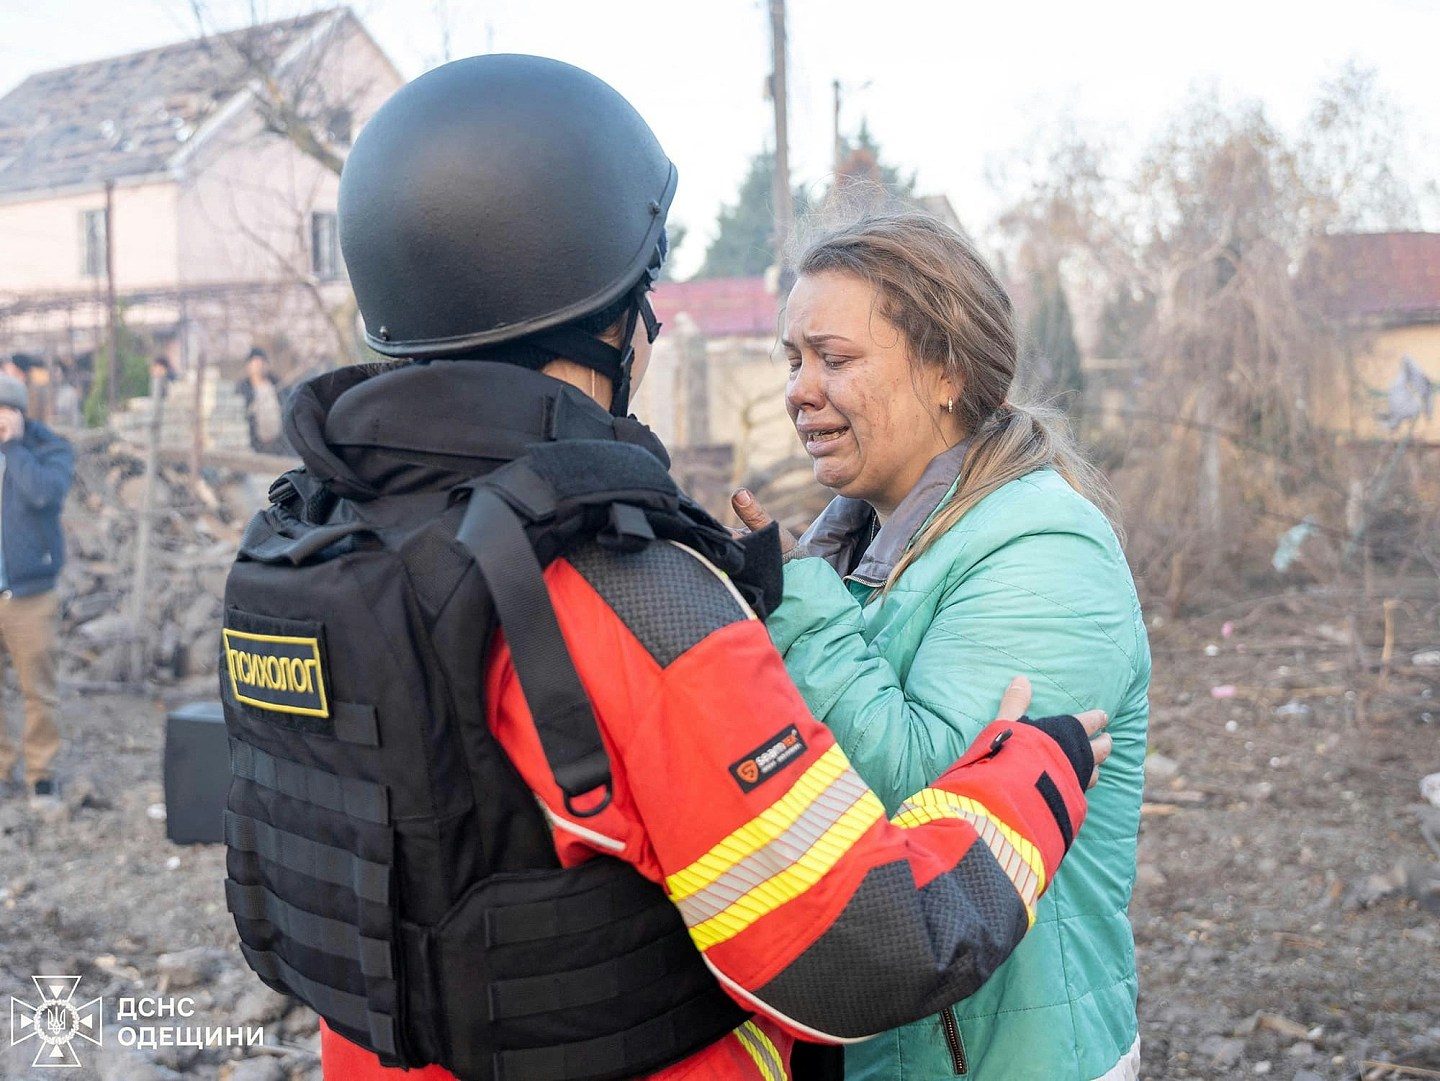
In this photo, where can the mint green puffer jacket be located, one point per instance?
(1031, 581)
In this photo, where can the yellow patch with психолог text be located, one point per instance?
(279, 672)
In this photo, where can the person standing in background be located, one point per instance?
(263, 409)
(67, 405)
(37, 469)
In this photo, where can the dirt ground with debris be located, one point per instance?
(1287, 914)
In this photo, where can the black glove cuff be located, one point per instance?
(1070, 734)
(762, 569)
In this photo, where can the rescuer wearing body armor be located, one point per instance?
(502, 218)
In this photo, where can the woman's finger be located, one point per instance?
(749, 510)
(1093, 720)
(1015, 701)
(757, 518)
(1101, 745)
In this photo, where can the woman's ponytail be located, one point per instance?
(1013, 441)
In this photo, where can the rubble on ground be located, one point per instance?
(194, 531)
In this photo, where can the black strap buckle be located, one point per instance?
(576, 812)
(628, 529)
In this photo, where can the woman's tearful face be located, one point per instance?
(869, 418)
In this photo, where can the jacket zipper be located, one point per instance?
(952, 1037)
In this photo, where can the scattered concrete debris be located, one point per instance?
(1159, 767)
(194, 533)
(1413, 879)
(1430, 788)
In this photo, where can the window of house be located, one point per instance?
(338, 127)
(92, 238)
(324, 245)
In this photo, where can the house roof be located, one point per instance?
(939, 206)
(1385, 275)
(129, 115)
(720, 307)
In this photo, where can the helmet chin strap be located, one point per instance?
(602, 357)
(640, 310)
(620, 403)
(620, 400)
(576, 345)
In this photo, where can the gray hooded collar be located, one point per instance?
(846, 529)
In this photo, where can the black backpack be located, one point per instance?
(386, 864)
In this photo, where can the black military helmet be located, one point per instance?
(497, 200)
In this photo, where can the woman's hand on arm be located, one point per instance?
(1016, 700)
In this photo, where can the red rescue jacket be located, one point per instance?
(828, 921)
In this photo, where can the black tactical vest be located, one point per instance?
(386, 864)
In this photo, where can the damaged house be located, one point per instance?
(191, 189)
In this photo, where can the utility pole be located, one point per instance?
(196, 367)
(140, 592)
(114, 330)
(784, 208)
(835, 86)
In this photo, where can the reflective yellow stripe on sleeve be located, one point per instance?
(1018, 857)
(762, 829)
(777, 855)
(764, 1053)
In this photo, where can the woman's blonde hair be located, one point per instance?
(936, 289)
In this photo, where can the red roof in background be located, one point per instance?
(721, 307)
(1384, 274)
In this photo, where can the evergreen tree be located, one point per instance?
(861, 164)
(744, 244)
(134, 380)
(1050, 358)
(675, 234)
(1124, 320)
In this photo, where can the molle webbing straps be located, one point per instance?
(558, 702)
(314, 932)
(589, 986)
(607, 1056)
(366, 879)
(337, 1006)
(346, 795)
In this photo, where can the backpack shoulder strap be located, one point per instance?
(527, 512)
(564, 720)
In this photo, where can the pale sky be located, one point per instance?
(950, 88)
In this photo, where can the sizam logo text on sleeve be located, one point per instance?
(768, 759)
